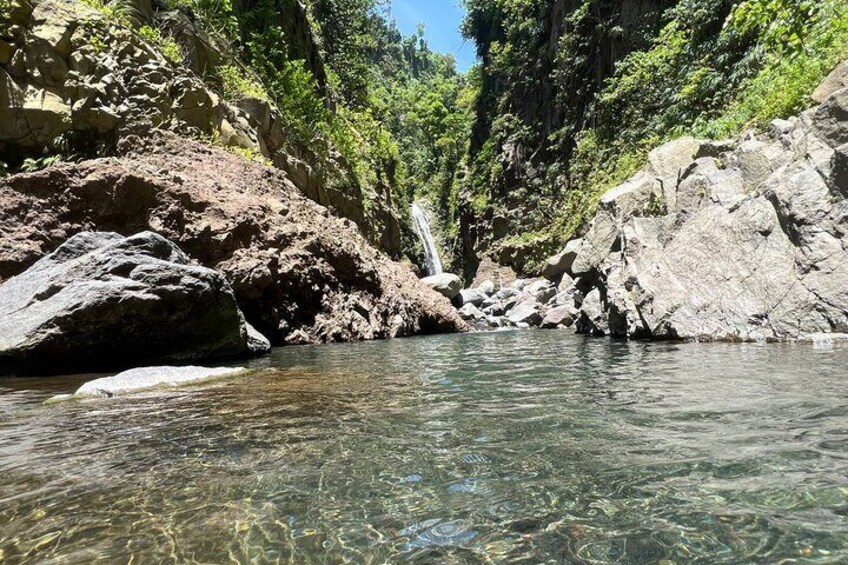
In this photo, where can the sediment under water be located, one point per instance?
(506, 447)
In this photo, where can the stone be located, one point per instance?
(640, 195)
(32, 116)
(258, 110)
(446, 284)
(542, 290)
(560, 264)
(705, 182)
(597, 245)
(840, 170)
(593, 319)
(666, 161)
(6, 51)
(756, 160)
(560, 317)
(102, 300)
(152, 378)
(835, 81)
(473, 296)
(470, 312)
(488, 287)
(496, 309)
(525, 312)
(830, 120)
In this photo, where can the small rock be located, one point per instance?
(470, 312)
(542, 290)
(472, 296)
(487, 287)
(446, 284)
(561, 316)
(837, 80)
(526, 312)
(593, 317)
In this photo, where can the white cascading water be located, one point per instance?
(431, 254)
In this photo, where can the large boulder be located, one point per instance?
(473, 296)
(527, 312)
(446, 284)
(300, 275)
(102, 300)
(560, 264)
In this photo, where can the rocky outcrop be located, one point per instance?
(75, 77)
(299, 274)
(739, 241)
(102, 301)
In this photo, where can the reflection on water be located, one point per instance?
(521, 447)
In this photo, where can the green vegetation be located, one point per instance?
(165, 43)
(554, 128)
(560, 110)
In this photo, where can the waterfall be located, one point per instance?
(431, 253)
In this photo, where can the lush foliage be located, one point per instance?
(560, 120)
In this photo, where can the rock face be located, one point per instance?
(101, 301)
(737, 241)
(69, 71)
(299, 274)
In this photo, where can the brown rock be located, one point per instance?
(299, 274)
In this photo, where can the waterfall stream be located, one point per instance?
(431, 254)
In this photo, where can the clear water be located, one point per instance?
(521, 447)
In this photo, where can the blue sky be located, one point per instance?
(442, 19)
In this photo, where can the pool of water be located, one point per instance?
(513, 447)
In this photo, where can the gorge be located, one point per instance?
(274, 275)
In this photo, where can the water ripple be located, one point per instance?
(507, 447)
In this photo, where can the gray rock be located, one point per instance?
(102, 300)
(542, 290)
(526, 312)
(506, 293)
(561, 316)
(488, 287)
(471, 313)
(641, 195)
(830, 120)
(446, 284)
(472, 296)
(496, 309)
(667, 160)
(149, 378)
(593, 319)
(603, 236)
(560, 264)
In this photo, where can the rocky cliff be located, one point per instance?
(73, 79)
(740, 240)
(299, 274)
(542, 66)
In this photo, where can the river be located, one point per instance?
(511, 447)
